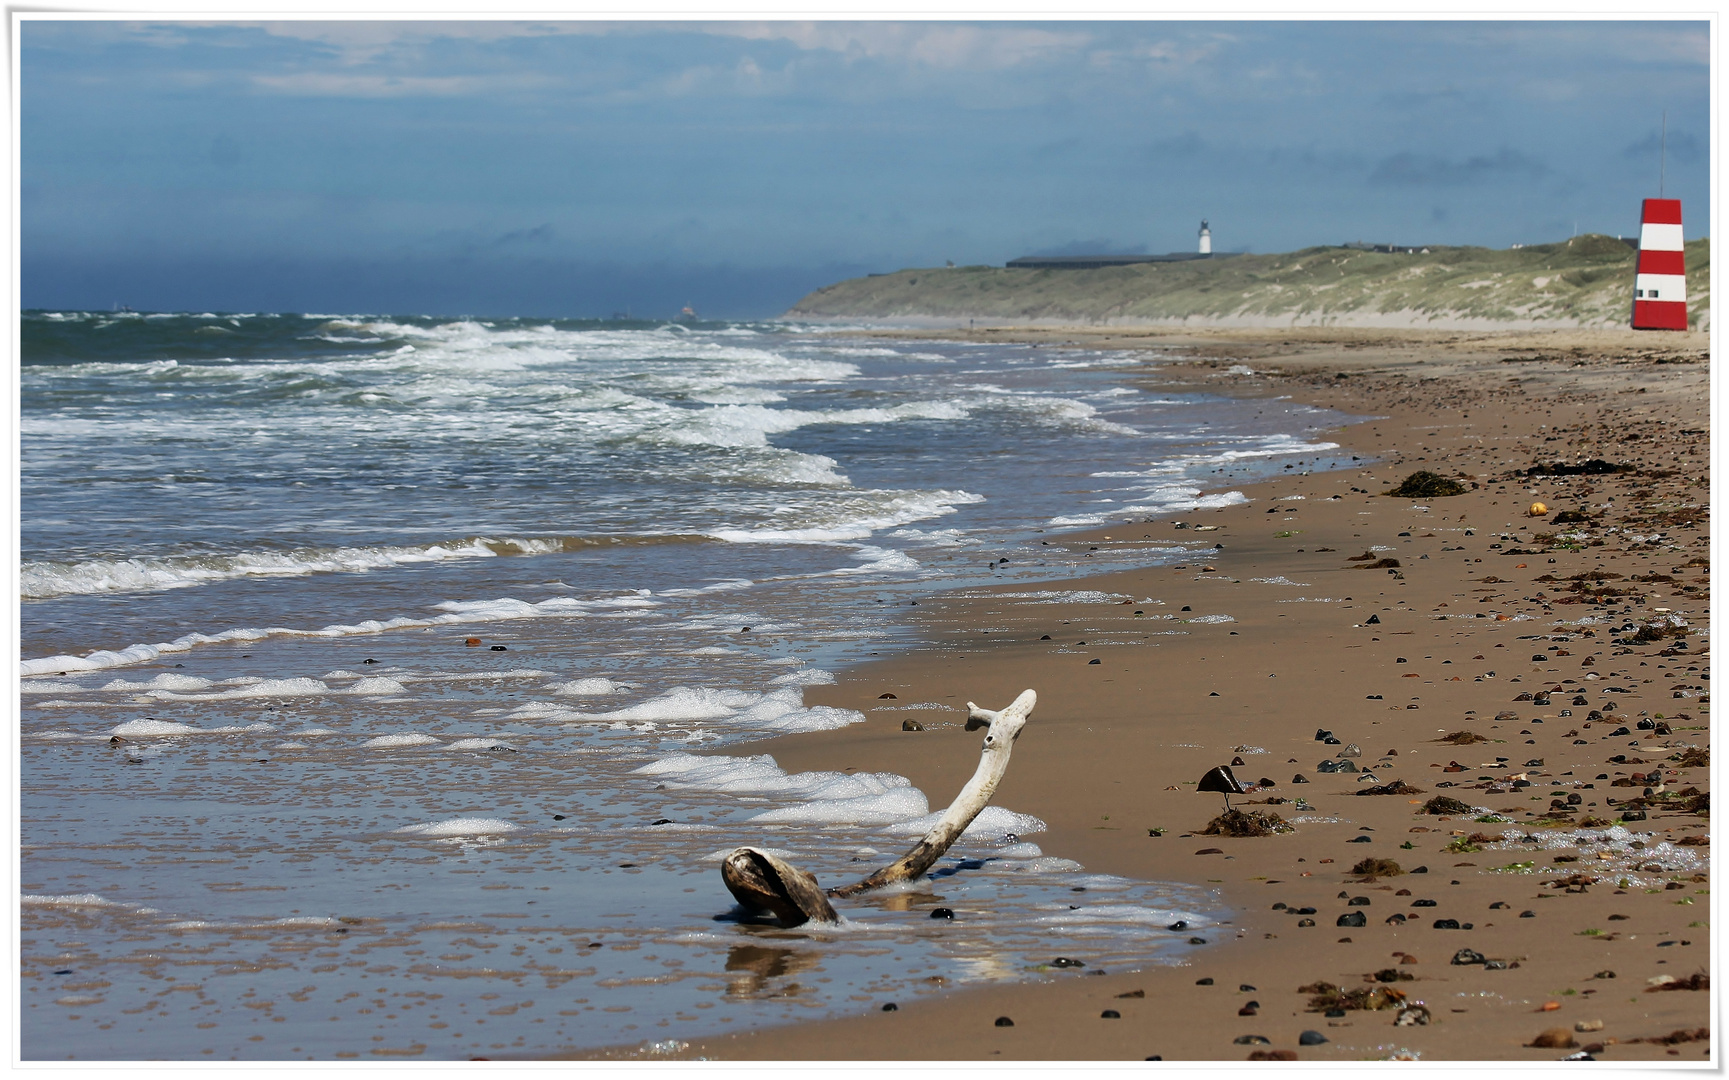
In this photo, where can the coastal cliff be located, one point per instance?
(1583, 282)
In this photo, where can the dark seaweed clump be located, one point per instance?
(1424, 484)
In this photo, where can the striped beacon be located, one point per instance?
(1660, 286)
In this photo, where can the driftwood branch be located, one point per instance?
(760, 880)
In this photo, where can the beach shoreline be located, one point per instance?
(1135, 707)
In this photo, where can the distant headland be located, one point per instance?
(1586, 281)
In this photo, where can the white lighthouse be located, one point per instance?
(1206, 238)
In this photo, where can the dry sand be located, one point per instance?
(1467, 625)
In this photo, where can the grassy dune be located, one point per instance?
(1583, 282)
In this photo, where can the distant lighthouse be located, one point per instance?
(1206, 238)
(1660, 282)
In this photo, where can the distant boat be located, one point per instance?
(687, 314)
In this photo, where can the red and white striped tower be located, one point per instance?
(1660, 285)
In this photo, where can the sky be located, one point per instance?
(585, 168)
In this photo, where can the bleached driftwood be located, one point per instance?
(760, 880)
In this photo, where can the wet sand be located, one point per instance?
(1575, 926)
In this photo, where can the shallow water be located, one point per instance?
(334, 828)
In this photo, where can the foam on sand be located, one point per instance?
(392, 742)
(781, 710)
(462, 826)
(828, 798)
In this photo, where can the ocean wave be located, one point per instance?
(454, 612)
(46, 580)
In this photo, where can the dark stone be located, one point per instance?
(942, 913)
(1527, 914)
(1322, 734)
(1180, 924)
(1311, 1038)
(1197, 941)
(1095, 661)
(911, 725)
(1110, 1014)
(498, 648)
(1252, 1040)
(1359, 901)
(1467, 956)
(1003, 1021)
(890, 1007)
(1352, 918)
(1446, 924)
(1422, 903)
(1246, 988)
(1208, 981)
(1299, 779)
(1358, 840)
(1065, 962)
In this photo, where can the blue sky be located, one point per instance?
(581, 168)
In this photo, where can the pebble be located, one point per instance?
(1208, 981)
(890, 1007)
(1311, 1038)
(942, 913)
(1252, 1040)
(1110, 1014)
(1412, 1016)
(1003, 1021)
(911, 725)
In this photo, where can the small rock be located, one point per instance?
(1251, 1009)
(1351, 750)
(1003, 1021)
(1311, 1038)
(1353, 918)
(889, 1006)
(1554, 1039)
(1588, 1025)
(1446, 924)
(1412, 1016)
(1208, 981)
(942, 913)
(1299, 779)
(1467, 956)
(1110, 1014)
(911, 725)
(1252, 1040)
(1065, 962)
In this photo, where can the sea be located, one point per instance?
(380, 677)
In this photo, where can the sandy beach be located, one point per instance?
(1563, 652)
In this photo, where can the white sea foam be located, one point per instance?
(392, 742)
(804, 677)
(136, 728)
(51, 686)
(376, 687)
(252, 689)
(42, 580)
(1212, 619)
(478, 744)
(588, 687)
(832, 798)
(993, 823)
(165, 681)
(779, 711)
(455, 612)
(462, 826)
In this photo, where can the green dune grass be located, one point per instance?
(1585, 282)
